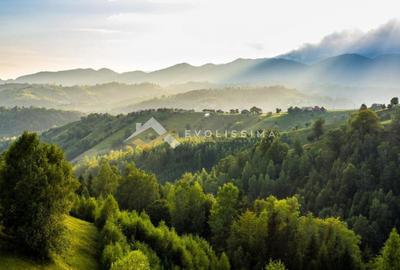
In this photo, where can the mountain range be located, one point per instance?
(346, 69)
(371, 79)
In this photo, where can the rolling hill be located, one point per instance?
(95, 98)
(267, 98)
(100, 133)
(124, 98)
(14, 121)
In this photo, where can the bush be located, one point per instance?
(84, 208)
(135, 260)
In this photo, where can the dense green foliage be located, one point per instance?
(271, 203)
(352, 172)
(135, 260)
(36, 184)
(223, 213)
(106, 182)
(347, 172)
(390, 255)
(274, 229)
(166, 163)
(270, 229)
(138, 190)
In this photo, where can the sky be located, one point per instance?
(126, 35)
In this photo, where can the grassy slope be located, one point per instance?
(81, 253)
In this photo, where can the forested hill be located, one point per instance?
(351, 172)
(14, 121)
(275, 203)
(328, 204)
(100, 133)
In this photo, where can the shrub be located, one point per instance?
(84, 208)
(135, 260)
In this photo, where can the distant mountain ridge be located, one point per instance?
(176, 74)
(357, 69)
(346, 69)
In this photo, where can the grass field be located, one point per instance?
(81, 252)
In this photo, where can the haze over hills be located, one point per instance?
(371, 79)
(83, 98)
(122, 98)
(267, 98)
(177, 74)
(16, 120)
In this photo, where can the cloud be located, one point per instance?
(383, 40)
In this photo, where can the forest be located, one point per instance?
(272, 203)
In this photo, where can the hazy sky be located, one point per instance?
(127, 35)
